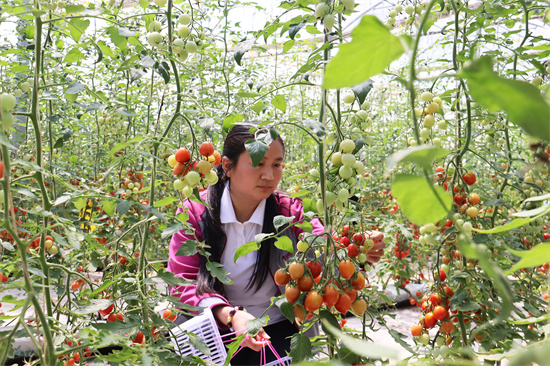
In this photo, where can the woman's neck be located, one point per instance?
(244, 209)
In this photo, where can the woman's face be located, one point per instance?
(256, 183)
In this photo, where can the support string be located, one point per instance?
(276, 354)
(230, 334)
(240, 346)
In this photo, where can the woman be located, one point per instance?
(243, 204)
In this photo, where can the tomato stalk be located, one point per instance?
(145, 237)
(225, 77)
(8, 338)
(412, 69)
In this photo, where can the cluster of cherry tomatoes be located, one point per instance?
(48, 245)
(132, 183)
(191, 173)
(339, 289)
(435, 309)
(356, 244)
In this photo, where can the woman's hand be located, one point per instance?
(238, 322)
(377, 251)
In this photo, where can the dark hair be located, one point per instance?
(213, 236)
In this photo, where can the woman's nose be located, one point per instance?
(267, 174)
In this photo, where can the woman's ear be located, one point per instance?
(226, 164)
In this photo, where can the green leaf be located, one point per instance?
(198, 344)
(77, 26)
(300, 347)
(327, 316)
(245, 249)
(362, 90)
(67, 133)
(284, 243)
(125, 32)
(288, 45)
(73, 55)
(216, 270)
(315, 126)
(293, 29)
(164, 70)
(122, 206)
(126, 113)
(533, 257)
(171, 279)
(279, 102)
(531, 320)
(361, 347)
(258, 107)
(105, 49)
(188, 248)
(152, 210)
(4, 141)
(94, 107)
(118, 40)
(69, 9)
(8, 246)
(420, 200)
(299, 193)
(522, 101)
(101, 288)
(232, 347)
(509, 226)
(256, 149)
(312, 30)
(534, 212)
(171, 230)
(306, 226)
(492, 271)
(286, 308)
(94, 306)
(253, 326)
(109, 206)
(538, 198)
(247, 95)
(422, 155)
(281, 220)
(80, 204)
(123, 145)
(118, 355)
(241, 48)
(230, 120)
(164, 202)
(399, 338)
(99, 53)
(261, 237)
(371, 50)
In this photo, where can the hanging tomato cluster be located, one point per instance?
(194, 173)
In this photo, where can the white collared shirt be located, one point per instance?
(237, 233)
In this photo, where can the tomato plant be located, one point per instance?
(113, 113)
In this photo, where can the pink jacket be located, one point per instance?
(188, 267)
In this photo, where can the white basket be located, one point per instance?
(205, 327)
(286, 361)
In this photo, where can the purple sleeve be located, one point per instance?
(188, 267)
(297, 210)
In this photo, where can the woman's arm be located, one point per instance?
(187, 267)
